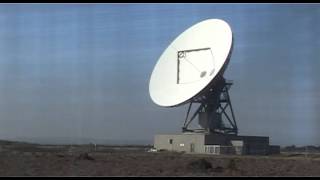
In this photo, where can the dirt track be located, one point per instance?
(139, 163)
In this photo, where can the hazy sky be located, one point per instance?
(83, 70)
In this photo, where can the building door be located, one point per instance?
(192, 147)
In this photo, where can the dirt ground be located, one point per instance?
(117, 162)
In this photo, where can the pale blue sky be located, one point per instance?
(83, 70)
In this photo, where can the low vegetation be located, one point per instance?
(22, 159)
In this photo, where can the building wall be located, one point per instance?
(216, 139)
(228, 144)
(251, 145)
(256, 145)
(180, 142)
(273, 149)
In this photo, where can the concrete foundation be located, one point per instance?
(214, 144)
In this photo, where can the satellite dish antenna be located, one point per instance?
(191, 71)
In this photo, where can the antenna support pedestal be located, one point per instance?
(213, 114)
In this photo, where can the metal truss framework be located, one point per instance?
(217, 101)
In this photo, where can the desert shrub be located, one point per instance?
(232, 165)
(218, 169)
(199, 165)
(85, 156)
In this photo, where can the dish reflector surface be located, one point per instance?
(190, 63)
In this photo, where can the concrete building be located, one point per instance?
(213, 144)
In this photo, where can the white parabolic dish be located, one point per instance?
(190, 63)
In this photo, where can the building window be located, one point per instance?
(170, 141)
